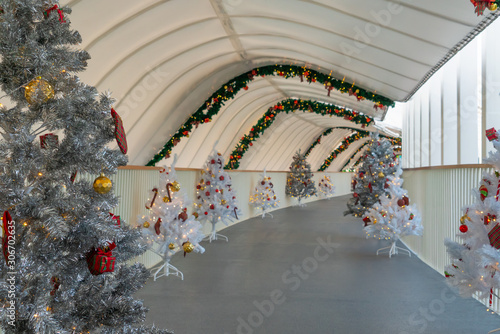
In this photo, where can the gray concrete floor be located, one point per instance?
(277, 276)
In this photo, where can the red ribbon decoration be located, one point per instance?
(7, 221)
(155, 190)
(61, 14)
(157, 226)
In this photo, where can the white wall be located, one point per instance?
(445, 121)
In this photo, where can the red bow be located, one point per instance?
(55, 7)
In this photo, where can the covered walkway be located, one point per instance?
(308, 270)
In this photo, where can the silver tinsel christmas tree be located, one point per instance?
(370, 181)
(65, 253)
(299, 181)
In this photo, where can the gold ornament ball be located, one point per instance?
(223, 201)
(146, 225)
(38, 91)
(188, 247)
(102, 185)
(166, 199)
(171, 246)
(380, 163)
(381, 175)
(175, 186)
(493, 7)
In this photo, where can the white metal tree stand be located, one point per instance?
(167, 270)
(264, 212)
(214, 235)
(393, 250)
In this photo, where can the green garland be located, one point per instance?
(318, 140)
(287, 106)
(214, 103)
(343, 146)
(352, 156)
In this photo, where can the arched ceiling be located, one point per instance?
(162, 59)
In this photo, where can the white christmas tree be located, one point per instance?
(299, 181)
(392, 217)
(475, 259)
(167, 228)
(326, 187)
(263, 196)
(215, 199)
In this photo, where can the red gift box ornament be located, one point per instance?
(49, 140)
(494, 236)
(491, 134)
(120, 136)
(101, 260)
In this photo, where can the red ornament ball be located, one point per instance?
(221, 178)
(208, 183)
(216, 190)
(212, 206)
(245, 88)
(401, 202)
(207, 193)
(198, 187)
(268, 199)
(227, 207)
(463, 228)
(212, 162)
(263, 182)
(206, 213)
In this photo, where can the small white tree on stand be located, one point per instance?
(167, 228)
(326, 187)
(215, 199)
(299, 181)
(263, 195)
(392, 217)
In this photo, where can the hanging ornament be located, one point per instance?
(463, 228)
(102, 185)
(38, 91)
(157, 226)
(464, 218)
(146, 224)
(46, 13)
(73, 177)
(366, 220)
(120, 136)
(494, 236)
(155, 191)
(492, 134)
(483, 192)
(49, 140)
(166, 199)
(195, 214)
(176, 186)
(101, 260)
(7, 231)
(223, 201)
(171, 246)
(183, 216)
(56, 283)
(401, 202)
(381, 175)
(188, 247)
